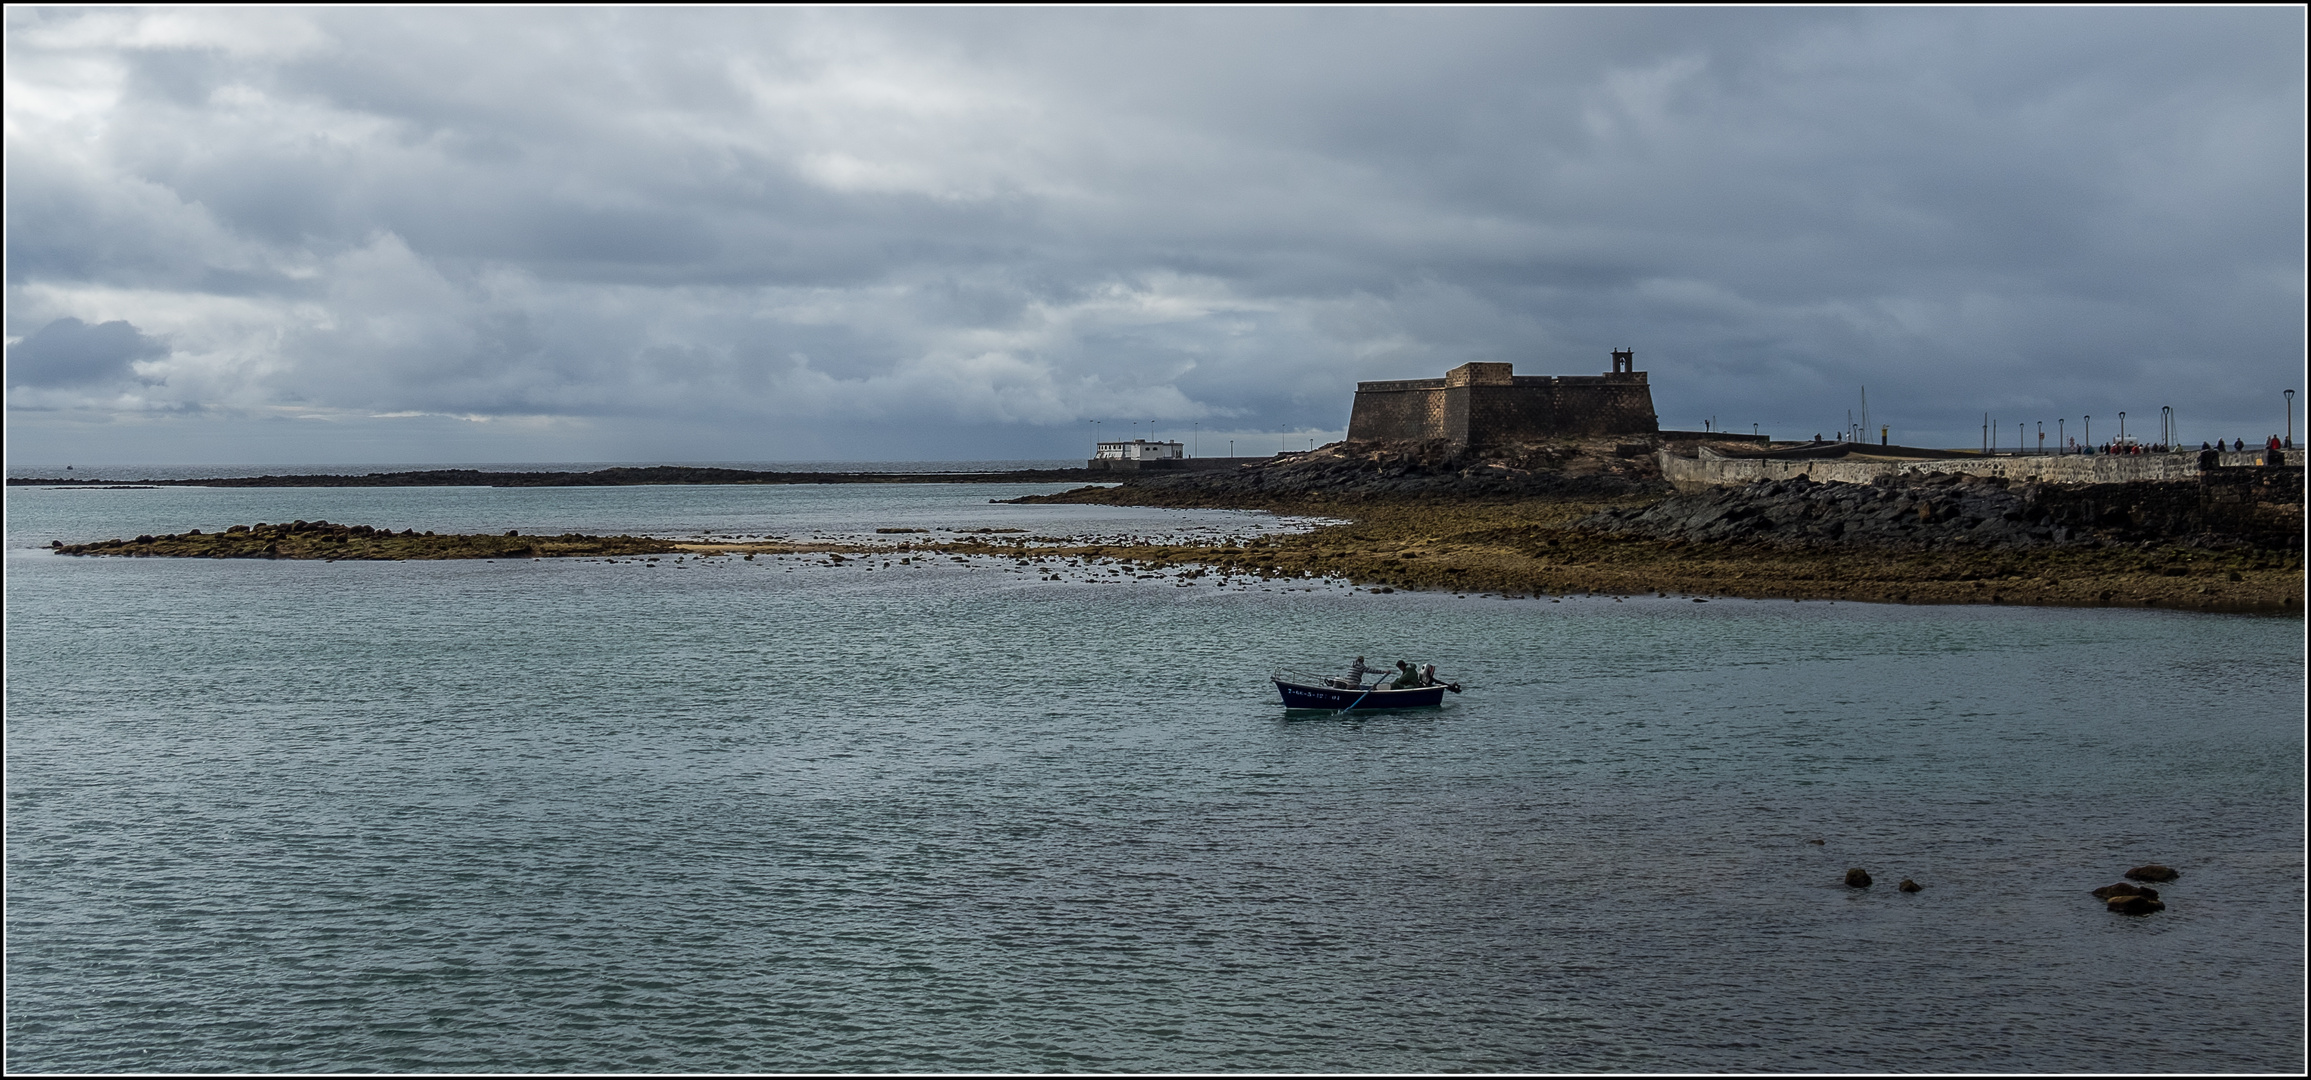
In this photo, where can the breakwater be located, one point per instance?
(1708, 468)
(2236, 508)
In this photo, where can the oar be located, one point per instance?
(1359, 700)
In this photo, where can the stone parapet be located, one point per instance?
(1707, 471)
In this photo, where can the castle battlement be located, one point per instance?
(1488, 403)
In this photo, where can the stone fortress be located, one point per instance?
(1488, 405)
(1481, 404)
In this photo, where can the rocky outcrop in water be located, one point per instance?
(1858, 878)
(330, 541)
(2125, 899)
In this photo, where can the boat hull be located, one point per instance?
(1304, 696)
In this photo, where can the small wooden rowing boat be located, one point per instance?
(1303, 692)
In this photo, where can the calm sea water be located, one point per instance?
(116, 472)
(728, 815)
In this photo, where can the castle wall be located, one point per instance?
(1403, 409)
(1605, 404)
(1485, 404)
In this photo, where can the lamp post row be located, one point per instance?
(2170, 432)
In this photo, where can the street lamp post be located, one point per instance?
(2122, 425)
(2060, 447)
(2167, 426)
(2089, 436)
(2290, 419)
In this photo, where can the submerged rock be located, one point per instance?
(2154, 872)
(1858, 878)
(2123, 889)
(2133, 905)
(1908, 885)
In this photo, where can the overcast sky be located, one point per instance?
(423, 235)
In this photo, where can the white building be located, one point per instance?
(1139, 450)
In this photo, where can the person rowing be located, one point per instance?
(1356, 673)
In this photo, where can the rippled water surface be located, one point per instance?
(729, 815)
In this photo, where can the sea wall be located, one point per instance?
(1710, 470)
(2255, 507)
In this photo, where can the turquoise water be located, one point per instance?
(727, 815)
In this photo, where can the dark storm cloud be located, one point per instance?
(887, 226)
(69, 352)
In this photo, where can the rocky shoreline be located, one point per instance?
(1577, 519)
(1595, 518)
(2246, 509)
(1382, 472)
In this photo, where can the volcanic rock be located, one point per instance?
(1939, 511)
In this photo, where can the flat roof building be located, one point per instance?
(1139, 450)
